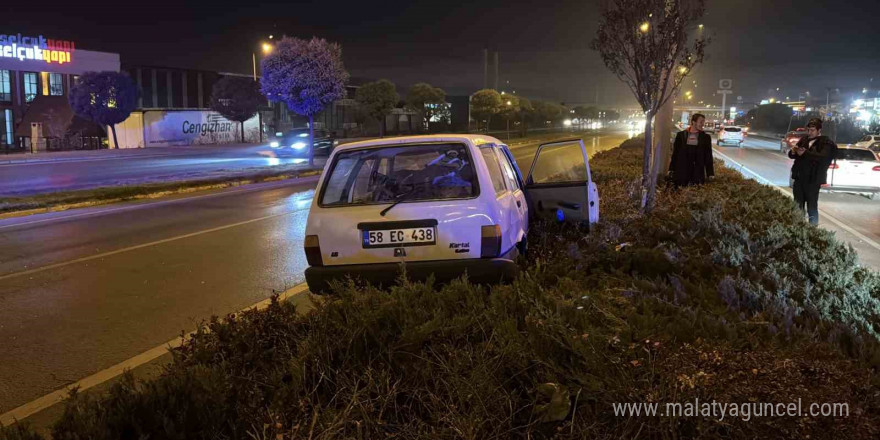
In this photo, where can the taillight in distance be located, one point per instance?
(313, 251)
(833, 166)
(490, 241)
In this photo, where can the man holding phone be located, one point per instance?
(812, 155)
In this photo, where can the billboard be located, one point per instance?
(195, 127)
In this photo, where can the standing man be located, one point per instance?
(692, 155)
(812, 156)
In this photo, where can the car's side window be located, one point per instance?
(509, 174)
(562, 163)
(494, 168)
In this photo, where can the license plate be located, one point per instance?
(400, 237)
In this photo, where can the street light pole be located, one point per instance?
(254, 54)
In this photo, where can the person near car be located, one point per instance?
(692, 155)
(812, 156)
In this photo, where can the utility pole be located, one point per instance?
(496, 70)
(485, 68)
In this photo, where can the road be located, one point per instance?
(147, 166)
(852, 217)
(82, 290)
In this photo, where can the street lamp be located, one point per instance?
(645, 27)
(267, 49)
(508, 122)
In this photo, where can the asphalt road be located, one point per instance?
(86, 289)
(856, 212)
(148, 166)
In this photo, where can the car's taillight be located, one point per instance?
(313, 251)
(833, 166)
(877, 168)
(490, 241)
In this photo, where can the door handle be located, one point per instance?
(569, 205)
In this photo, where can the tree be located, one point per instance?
(546, 111)
(305, 75)
(428, 100)
(236, 98)
(525, 112)
(106, 98)
(646, 44)
(584, 112)
(484, 104)
(775, 118)
(377, 99)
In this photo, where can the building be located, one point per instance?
(32, 67)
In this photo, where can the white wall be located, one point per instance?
(130, 132)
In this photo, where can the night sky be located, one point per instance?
(543, 46)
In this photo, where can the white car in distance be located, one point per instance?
(444, 205)
(730, 135)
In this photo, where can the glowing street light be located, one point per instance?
(701, 26)
(645, 27)
(267, 48)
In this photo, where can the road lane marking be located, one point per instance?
(143, 245)
(240, 190)
(834, 220)
(58, 396)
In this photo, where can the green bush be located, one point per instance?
(722, 293)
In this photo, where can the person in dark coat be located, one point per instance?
(812, 156)
(692, 155)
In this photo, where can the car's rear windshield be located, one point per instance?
(732, 129)
(409, 173)
(862, 155)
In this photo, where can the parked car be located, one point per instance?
(871, 141)
(791, 139)
(730, 135)
(711, 127)
(855, 169)
(444, 205)
(295, 143)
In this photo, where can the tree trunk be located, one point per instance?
(646, 162)
(115, 139)
(242, 131)
(311, 140)
(662, 149)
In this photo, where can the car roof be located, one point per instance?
(472, 139)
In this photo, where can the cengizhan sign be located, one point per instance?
(194, 127)
(24, 47)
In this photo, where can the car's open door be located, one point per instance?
(559, 185)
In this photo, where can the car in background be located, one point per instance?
(871, 142)
(855, 169)
(730, 135)
(295, 143)
(711, 127)
(791, 139)
(444, 205)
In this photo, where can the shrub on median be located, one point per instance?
(721, 293)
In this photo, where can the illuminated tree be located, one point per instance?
(646, 44)
(106, 98)
(237, 99)
(305, 75)
(484, 104)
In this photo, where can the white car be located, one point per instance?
(855, 170)
(871, 142)
(730, 135)
(444, 205)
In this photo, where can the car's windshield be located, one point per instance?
(386, 174)
(852, 154)
(304, 133)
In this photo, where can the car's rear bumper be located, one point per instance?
(479, 270)
(849, 188)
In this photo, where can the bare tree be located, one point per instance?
(646, 44)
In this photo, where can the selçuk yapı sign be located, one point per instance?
(24, 47)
